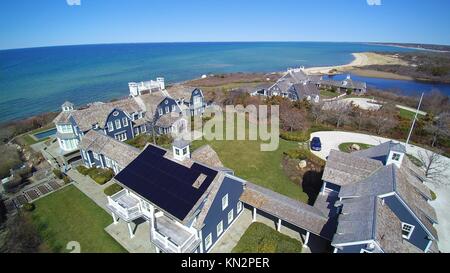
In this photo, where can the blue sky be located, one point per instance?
(31, 23)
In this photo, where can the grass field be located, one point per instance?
(345, 147)
(262, 168)
(259, 238)
(27, 139)
(69, 215)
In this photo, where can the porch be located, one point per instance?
(124, 206)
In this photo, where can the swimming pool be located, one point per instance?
(45, 134)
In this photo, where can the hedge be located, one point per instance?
(100, 176)
(301, 154)
(295, 136)
(58, 173)
(29, 206)
(83, 170)
(112, 189)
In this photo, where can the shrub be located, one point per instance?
(295, 136)
(112, 189)
(9, 158)
(29, 206)
(433, 195)
(83, 170)
(66, 179)
(301, 154)
(101, 176)
(58, 173)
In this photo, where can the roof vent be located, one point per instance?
(199, 181)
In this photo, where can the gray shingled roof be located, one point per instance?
(382, 150)
(168, 120)
(390, 179)
(289, 210)
(98, 113)
(116, 150)
(344, 168)
(207, 155)
(62, 118)
(304, 90)
(368, 218)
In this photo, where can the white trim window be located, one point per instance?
(125, 122)
(225, 201)
(219, 228)
(118, 125)
(160, 111)
(121, 136)
(239, 207)
(173, 107)
(143, 129)
(396, 157)
(407, 230)
(167, 109)
(208, 241)
(110, 126)
(230, 216)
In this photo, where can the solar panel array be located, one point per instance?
(165, 183)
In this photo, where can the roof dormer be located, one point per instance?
(67, 106)
(181, 149)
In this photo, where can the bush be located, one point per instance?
(67, 179)
(433, 195)
(9, 158)
(301, 154)
(83, 170)
(58, 173)
(101, 176)
(29, 206)
(349, 92)
(295, 136)
(112, 189)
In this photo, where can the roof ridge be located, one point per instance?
(374, 222)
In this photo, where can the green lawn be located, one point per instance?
(262, 168)
(69, 215)
(27, 138)
(259, 238)
(345, 147)
(328, 94)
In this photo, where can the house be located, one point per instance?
(137, 89)
(383, 205)
(188, 204)
(127, 118)
(191, 100)
(343, 86)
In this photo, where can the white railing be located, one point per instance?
(125, 213)
(165, 241)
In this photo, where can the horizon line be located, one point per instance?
(205, 42)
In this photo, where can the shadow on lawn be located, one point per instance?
(311, 184)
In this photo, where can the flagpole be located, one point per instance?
(414, 121)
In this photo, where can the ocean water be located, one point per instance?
(37, 80)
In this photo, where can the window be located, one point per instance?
(230, 216)
(136, 131)
(121, 136)
(118, 125)
(184, 151)
(177, 151)
(208, 241)
(396, 157)
(407, 230)
(110, 126)
(239, 207)
(140, 114)
(173, 108)
(167, 109)
(219, 228)
(95, 155)
(108, 162)
(125, 122)
(225, 201)
(143, 129)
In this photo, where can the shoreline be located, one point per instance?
(360, 61)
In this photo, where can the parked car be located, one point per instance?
(316, 145)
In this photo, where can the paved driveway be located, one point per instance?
(331, 140)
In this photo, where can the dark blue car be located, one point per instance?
(316, 145)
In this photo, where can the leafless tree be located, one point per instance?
(316, 112)
(439, 128)
(434, 166)
(360, 117)
(293, 119)
(384, 119)
(338, 111)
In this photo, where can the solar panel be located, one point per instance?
(165, 183)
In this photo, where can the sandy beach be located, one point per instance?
(357, 66)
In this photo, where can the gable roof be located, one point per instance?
(380, 152)
(392, 179)
(165, 182)
(344, 168)
(99, 112)
(304, 90)
(116, 150)
(289, 210)
(368, 218)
